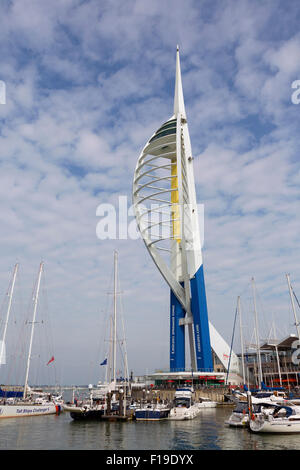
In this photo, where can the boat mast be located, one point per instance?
(257, 335)
(32, 327)
(278, 364)
(126, 372)
(109, 362)
(10, 295)
(115, 316)
(241, 337)
(293, 305)
(232, 338)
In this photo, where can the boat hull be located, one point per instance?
(92, 415)
(151, 415)
(21, 411)
(238, 420)
(182, 413)
(279, 427)
(207, 404)
(82, 413)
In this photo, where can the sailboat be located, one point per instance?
(102, 399)
(283, 418)
(11, 392)
(264, 397)
(30, 404)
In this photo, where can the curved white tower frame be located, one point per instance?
(164, 199)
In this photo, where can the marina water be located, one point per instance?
(206, 432)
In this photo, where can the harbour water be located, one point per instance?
(206, 432)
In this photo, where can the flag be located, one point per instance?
(104, 362)
(50, 360)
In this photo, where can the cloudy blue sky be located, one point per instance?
(87, 83)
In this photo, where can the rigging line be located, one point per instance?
(236, 310)
(8, 303)
(48, 330)
(17, 364)
(296, 298)
(102, 348)
(124, 336)
(118, 340)
(2, 320)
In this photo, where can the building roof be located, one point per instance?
(285, 343)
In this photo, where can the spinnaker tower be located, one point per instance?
(166, 210)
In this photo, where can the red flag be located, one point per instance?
(51, 360)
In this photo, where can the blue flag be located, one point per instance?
(104, 362)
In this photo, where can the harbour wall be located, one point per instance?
(213, 394)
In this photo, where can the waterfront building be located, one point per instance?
(279, 361)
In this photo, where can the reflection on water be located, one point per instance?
(205, 432)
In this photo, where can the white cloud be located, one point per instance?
(88, 83)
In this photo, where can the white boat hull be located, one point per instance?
(238, 420)
(182, 413)
(23, 410)
(207, 404)
(280, 426)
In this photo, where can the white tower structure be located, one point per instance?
(164, 198)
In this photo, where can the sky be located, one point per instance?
(87, 83)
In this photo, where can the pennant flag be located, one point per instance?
(51, 360)
(104, 362)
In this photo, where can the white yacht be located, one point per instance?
(184, 406)
(282, 419)
(206, 403)
(262, 400)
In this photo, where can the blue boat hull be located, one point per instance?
(151, 415)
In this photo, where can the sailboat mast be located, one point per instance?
(278, 364)
(8, 310)
(115, 316)
(109, 362)
(241, 337)
(126, 372)
(293, 305)
(32, 327)
(257, 335)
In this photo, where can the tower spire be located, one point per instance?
(178, 96)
